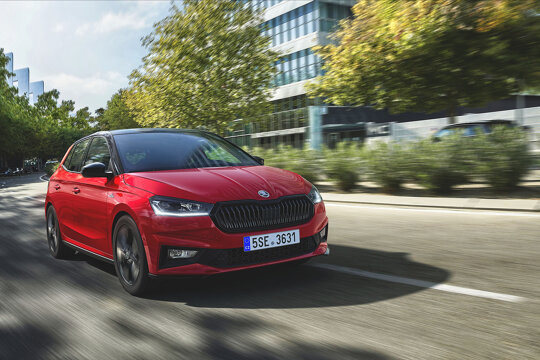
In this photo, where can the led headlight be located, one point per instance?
(166, 206)
(314, 195)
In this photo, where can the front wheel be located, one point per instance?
(129, 257)
(54, 238)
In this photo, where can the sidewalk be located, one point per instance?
(435, 202)
(470, 196)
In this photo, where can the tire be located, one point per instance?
(54, 238)
(130, 257)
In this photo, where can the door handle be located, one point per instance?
(57, 187)
(76, 190)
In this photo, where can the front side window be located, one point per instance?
(98, 152)
(77, 156)
(155, 151)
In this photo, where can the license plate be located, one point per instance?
(266, 241)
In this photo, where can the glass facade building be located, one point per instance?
(312, 17)
(294, 27)
(298, 66)
(21, 80)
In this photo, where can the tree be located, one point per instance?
(82, 119)
(42, 131)
(206, 66)
(431, 55)
(117, 115)
(53, 127)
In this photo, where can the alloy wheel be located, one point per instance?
(127, 255)
(52, 233)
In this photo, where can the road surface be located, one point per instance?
(401, 283)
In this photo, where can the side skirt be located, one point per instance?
(86, 252)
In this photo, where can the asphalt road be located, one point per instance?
(455, 285)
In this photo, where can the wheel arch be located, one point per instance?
(124, 210)
(117, 217)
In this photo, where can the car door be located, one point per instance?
(90, 205)
(58, 191)
(67, 181)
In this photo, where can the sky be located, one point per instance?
(85, 49)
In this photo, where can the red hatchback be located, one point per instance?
(160, 202)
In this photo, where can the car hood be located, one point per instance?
(220, 184)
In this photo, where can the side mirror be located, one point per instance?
(96, 170)
(260, 160)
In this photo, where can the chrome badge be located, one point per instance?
(264, 193)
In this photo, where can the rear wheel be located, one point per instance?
(54, 238)
(129, 257)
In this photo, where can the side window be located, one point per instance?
(98, 152)
(75, 163)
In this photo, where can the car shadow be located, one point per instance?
(269, 287)
(283, 286)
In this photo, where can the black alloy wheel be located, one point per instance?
(57, 248)
(129, 256)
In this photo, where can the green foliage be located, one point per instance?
(441, 165)
(342, 165)
(43, 131)
(432, 55)
(388, 165)
(503, 158)
(117, 114)
(51, 168)
(207, 65)
(305, 162)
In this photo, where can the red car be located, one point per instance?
(160, 202)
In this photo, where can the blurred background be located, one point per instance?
(418, 120)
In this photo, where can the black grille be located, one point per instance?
(254, 215)
(227, 258)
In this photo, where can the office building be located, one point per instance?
(295, 27)
(21, 80)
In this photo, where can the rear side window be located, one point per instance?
(76, 158)
(98, 152)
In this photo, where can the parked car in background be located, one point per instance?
(50, 163)
(7, 172)
(474, 128)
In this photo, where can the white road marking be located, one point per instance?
(421, 283)
(439, 211)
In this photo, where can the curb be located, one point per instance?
(535, 210)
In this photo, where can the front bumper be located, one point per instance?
(222, 252)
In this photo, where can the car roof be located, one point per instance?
(144, 130)
(483, 122)
(155, 130)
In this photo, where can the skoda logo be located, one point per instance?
(264, 193)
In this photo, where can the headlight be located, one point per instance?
(166, 206)
(314, 195)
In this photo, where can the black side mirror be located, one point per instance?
(260, 160)
(96, 170)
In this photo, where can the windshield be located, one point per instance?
(154, 151)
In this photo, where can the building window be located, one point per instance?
(289, 26)
(298, 66)
(330, 14)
